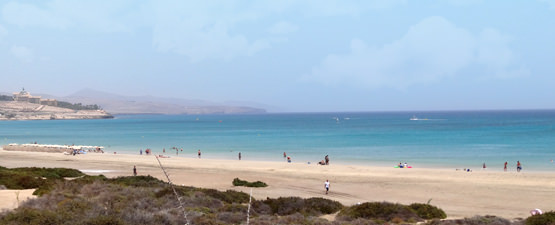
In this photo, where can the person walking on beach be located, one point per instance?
(518, 166)
(327, 186)
(199, 153)
(141, 152)
(134, 171)
(505, 167)
(239, 155)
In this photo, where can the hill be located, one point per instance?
(119, 104)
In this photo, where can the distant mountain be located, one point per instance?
(119, 104)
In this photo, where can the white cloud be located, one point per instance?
(282, 28)
(494, 53)
(23, 53)
(63, 14)
(430, 51)
(551, 3)
(200, 30)
(342, 7)
(465, 2)
(185, 28)
(22, 14)
(3, 31)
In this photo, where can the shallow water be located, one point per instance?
(463, 139)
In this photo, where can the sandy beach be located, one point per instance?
(461, 194)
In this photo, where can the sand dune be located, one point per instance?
(461, 194)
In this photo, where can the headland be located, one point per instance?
(24, 106)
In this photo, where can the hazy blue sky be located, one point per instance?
(295, 55)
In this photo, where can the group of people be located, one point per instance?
(518, 166)
(287, 157)
(401, 165)
(484, 167)
(325, 161)
(148, 152)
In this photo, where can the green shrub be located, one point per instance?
(232, 218)
(229, 196)
(15, 180)
(104, 220)
(234, 207)
(44, 188)
(322, 205)
(285, 205)
(427, 211)
(290, 205)
(138, 181)
(33, 177)
(547, 218)
(31, 217)
(476, 220)
(379, 211)
(239, 182)
(56, 173)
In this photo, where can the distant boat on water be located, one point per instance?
(416, 118)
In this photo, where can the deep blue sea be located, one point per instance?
(454, 139)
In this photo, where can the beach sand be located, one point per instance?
(460, 194)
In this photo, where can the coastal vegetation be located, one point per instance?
(61, 104)
(239, 182)
(33, 177)
(6, 98)
(148, 200)
(77, 106)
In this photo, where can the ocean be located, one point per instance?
(450, 139)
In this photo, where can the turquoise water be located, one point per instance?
(463, 139)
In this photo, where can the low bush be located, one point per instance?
(33, 177)
(379, 211)
(291, 205)
(229, 196)
(138, 181)
(285, 205)
(239, 182)
(31, 217)
(476, 220)
(427, 211)
(104, 220)
(15, 180)
(322, 205)
(547, 218)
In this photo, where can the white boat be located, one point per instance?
(416, 118)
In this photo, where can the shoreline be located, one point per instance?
(460, 194)
(547, 167)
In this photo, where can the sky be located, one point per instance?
(293, 56)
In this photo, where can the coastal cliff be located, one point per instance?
(13, 110)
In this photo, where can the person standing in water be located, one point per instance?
(199, 153)
(239, 155)
(518, 166)
(505, 167)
